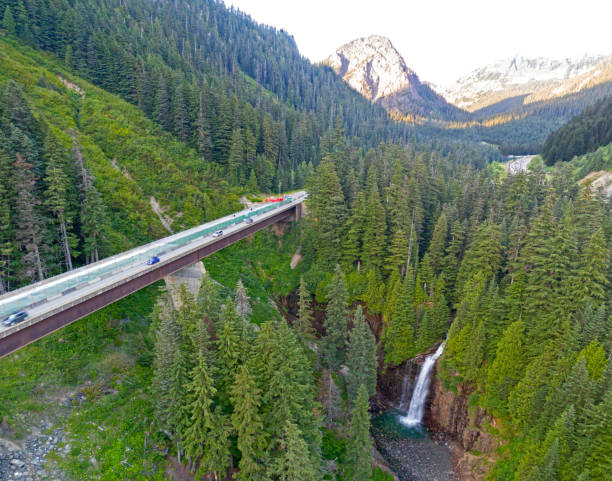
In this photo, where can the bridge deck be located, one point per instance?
(96, 291)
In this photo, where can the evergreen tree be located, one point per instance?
(209, 302)
(293, 462)
(359, 444)
(8, 21)
(452, 261)
(474, 353)
(330, 397)
(167, 344)
(200, 393)
(483, 255)
(303, 321)
(374, 226)
(361, 357)
(202, 131)
(594, 265)
(434, 323)
(228, 350)
(247, 424)
(7, 242)
(56, 194)
(398, 251)
(595, 359)
(179, 113)
(177, 413)
(162, 103)
(236, 158)
(333, 343)
(507, 368)
(326, 202)
(283, 372)
(399, 335)
(438, 243)
(217, 456)
(352, 250)
(29, 228)
(599, 438)
(94, 224)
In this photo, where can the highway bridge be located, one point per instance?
(55, 302)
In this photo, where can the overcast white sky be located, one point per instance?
(442, 40)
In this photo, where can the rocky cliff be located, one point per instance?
(471, 427)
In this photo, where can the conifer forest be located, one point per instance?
(126, 121)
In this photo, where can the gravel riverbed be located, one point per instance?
(413, 454)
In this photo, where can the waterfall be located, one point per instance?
(421, 389)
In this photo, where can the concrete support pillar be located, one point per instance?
(190, 276)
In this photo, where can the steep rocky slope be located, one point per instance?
(473, 430)
(373, 67)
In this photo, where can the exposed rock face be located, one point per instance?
(448, 412)
(392, 381)
(190, 276)
(471, 428)
(599, 181)
(518, 164)
(373, 67)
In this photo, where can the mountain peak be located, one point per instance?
(372, 66)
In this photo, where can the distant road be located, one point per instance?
(518, 164)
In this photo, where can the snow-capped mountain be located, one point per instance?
(600, 75)
(514, 77)
(373, 67)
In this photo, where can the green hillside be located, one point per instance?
(96, 136)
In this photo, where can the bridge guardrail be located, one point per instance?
(45, 292)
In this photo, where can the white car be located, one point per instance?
(219, 233)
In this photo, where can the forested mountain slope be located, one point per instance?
(78, 167)
(184, 64)
(584, 133)
(202, 72)
(524, 262)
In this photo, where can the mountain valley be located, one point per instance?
(513, 103)
(436, 304)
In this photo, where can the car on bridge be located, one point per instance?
(249, 220)
(219, 233)
(14, 318)
(152, 260)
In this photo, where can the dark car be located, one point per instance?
(152, 260)
(249, 220)
(14, 318)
